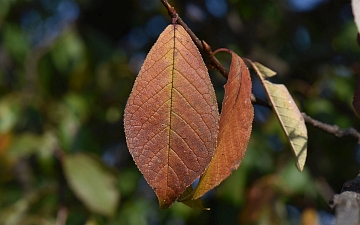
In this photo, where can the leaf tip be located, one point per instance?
(264, 71)
(299, 166)
(163, 204)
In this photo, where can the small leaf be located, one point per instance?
(235, 127)
(91, 183)
(264, 71)
(171, 117)
(289, 116)
(186, 198)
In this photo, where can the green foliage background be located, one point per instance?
(67, 68)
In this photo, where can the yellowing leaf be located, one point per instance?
(171, 117)
(91, 183)
(289, 116)
(235, 127)
(265, 72)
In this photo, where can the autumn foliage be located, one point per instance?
(171, 118)
(172, 124)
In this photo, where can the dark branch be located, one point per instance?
(333, 129)
(202, 45)
(258, 101)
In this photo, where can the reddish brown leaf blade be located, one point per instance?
(235, 127)
(356, 99)
(171, 117)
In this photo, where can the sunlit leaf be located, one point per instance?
(171, 117)
(91, 183)
(266, 72)
(289, 116)
(235, 128)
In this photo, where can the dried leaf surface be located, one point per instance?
(235, 127)
(171, 117)
(289, 116)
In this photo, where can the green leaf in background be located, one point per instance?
(23, 145)
(288, 114)
(296, 182)
(9, 112)
(92, 183)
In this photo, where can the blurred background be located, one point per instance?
(67, 68)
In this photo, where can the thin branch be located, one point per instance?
(202, 45)
(216, 65)
(258, 101)
(332, 129)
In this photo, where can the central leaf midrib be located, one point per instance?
(171, 106)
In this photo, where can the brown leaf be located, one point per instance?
(235, 127)
(171, 117)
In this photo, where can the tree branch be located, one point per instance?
(202, 45)
(347, 203)
(332, 129)
(216, 65)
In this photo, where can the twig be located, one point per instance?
(215, 64)
(258, 101)
(202, 45)
(332, 129)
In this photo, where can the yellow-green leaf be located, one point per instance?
(289, 116)
(264, 71)
(92, 183)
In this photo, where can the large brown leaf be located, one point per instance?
(171, 117)
(235, 127)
